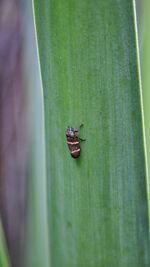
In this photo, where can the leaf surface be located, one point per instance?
(97, 204)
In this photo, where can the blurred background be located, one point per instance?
(17, 71)
(13, 142)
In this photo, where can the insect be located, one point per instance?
(73, 141)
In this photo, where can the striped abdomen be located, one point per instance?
(74, 146)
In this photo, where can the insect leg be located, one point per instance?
(81, 125)
(81, 139)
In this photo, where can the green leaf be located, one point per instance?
(37, 241)
(97, 204)
(4, 260)
(145, 59)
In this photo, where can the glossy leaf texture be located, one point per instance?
(97, 204)
(36, 243)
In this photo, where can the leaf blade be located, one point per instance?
(88, 63)
(4, 259)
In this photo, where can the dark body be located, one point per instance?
(73, 142)
(74, 146)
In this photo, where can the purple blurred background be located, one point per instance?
(12, 128)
